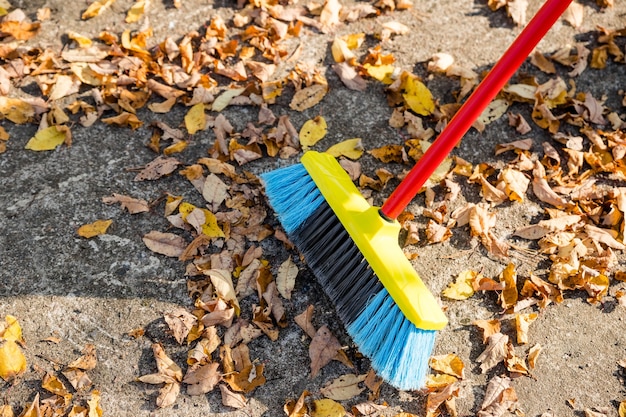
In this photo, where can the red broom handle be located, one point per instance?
(502, 71)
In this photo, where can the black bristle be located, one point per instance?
(336, 261)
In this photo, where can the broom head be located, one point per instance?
(354, 253)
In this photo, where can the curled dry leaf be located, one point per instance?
(522, 323)
(180, 322)
(286, 278)
(133, 205)
(488, 327)
(500, 397)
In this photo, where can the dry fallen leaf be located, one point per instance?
(133, 205)
(12, 360)
(495, 352)
(449, 364)
(343, 387)
(312, 131)
(327, 407)
(350, 148)
(167, 244)
(286, 278)
(462, 288)
(99, 227)
(157, 168)
(308, 97)
(49, 138)
(232, 399)
(323, 349)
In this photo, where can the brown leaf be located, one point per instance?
(495, 352)
(180, 322)
(202, 378)
(488, 327)
(304, 321)
(297, 408)
(167, 244)
(349, 77)
(436, 398)
(323, 349)
(157, 168)
(499, 398)
(214, 191)
(533, 354)
(133, 205)
(232, 399)
(168, 394)
(78, 378)
(309, 96)
(88, 360)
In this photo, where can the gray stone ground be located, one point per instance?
(95, 291)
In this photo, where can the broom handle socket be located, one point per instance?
(460, 123)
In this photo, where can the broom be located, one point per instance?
(352, 247)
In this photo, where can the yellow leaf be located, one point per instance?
(85, 74)
(47, 139)
(225, 98)
(313, 131)
(136, 11)
(351, 148)
(11, 330)
(522, 323)
(508, 297)
(16, 110)
(94, 404)
(380, 72)
(622, 409)
(12, 360)
(195, 119)
(82, 41)
(6, 410)
(327, 408)
(417, 96)
(175, 147)
(462, 288)
(96, 8)
(53, 384)
(208, 226)
(449, 364)
(99, 227)
(439, 381)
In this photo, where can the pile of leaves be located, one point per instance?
(250, 61)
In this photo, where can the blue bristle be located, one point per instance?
(292, 194)
(394, 345)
